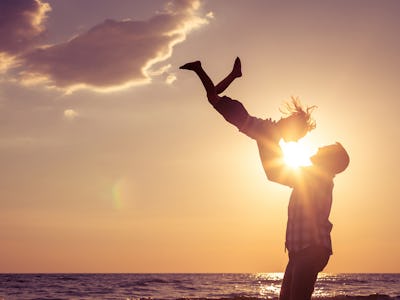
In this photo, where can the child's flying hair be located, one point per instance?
(295, 108)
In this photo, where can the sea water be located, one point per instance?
(190, 286)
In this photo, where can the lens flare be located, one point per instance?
(121, 193)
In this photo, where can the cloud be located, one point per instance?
(21, 24)
(21, 29)
(210, 15)
(70, 114)
(111, 55)
(170, 78)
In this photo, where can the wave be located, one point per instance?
(339, 297)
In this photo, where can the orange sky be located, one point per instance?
(113, 161)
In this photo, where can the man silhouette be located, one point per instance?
(308, 228)
(308, 239)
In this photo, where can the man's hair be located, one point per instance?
(294, 108)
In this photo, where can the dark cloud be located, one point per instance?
(21, 24)
(113, 53)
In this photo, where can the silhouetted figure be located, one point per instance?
(290, 128)
(308, 228)
(308, 239)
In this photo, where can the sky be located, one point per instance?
(113, 160)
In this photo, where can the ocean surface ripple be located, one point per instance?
(238, 286)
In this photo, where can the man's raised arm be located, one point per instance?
(273, 162)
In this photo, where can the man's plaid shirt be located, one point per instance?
(308, 212)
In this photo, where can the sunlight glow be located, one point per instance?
(296, 154)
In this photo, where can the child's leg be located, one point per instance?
(236, 72)
(205, 79)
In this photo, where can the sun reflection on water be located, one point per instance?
(269, 284)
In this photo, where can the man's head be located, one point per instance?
(332, 159)
(298, 122)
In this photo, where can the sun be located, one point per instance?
(296, 154)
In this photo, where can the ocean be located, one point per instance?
(191, 286)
